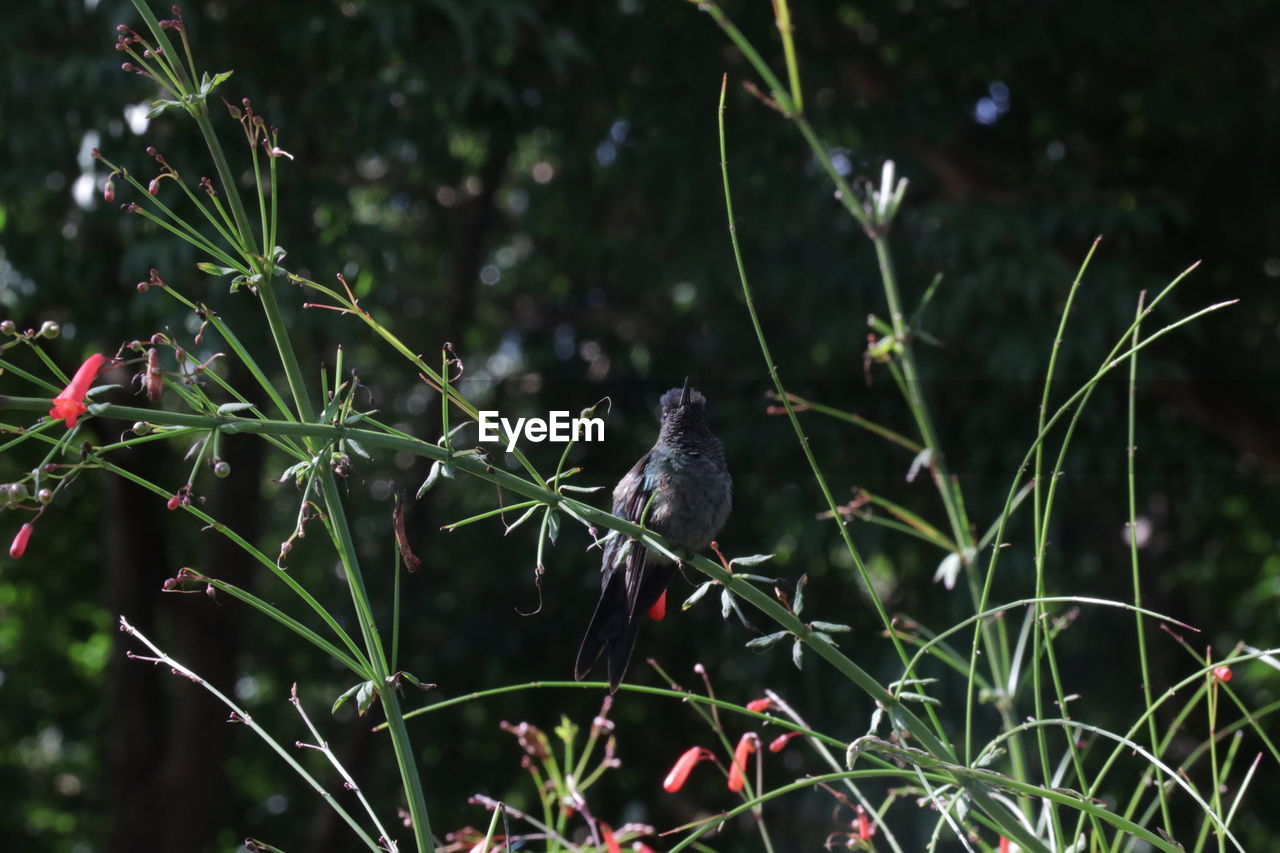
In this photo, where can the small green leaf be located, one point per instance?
(351, 691)
(582, 489)
(208, 84)
(567, 730)
(829, 626)
(726, 603)
(553, 525)
(522, 519)
(158, 107)
(752, 560)
(357, 417)
(798, 604)
(432, 476)
(214, 269)
(364, 697)
(697, 595)
(295, 471)
(355, 446)
(767, 641)
(797, 654)
(232, 408)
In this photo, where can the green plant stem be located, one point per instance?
(242, 717)
(782, 14)
(1143, 665)
(857, 420)
(772, 368)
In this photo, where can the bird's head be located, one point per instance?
(684, 410)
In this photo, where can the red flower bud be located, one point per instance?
(1004, 844)
(780, 742)
(19, 546)
(684, 764)
(1222, 673)
(746, 746)
(69, 405)
(764, 703)
(610, 843)
(659, 608)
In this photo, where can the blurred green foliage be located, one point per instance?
(537, 183)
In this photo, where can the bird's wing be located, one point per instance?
(613, 626)
(635, 497)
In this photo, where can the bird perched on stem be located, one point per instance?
(681, 489)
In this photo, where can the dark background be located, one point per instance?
(420, 131)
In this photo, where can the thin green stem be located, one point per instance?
(772, 368)
(1143, 665)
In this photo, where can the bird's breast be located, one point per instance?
(693, 499)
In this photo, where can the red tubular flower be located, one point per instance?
(659, 608)
(684, 764)
(780, 742)
(866, 828)
(610, 843)
(69, 404)
(1222, 673)
(759, 705)
(19, 546)
(1004, 844)
(746, 746)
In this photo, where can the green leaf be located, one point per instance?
(232, 408)
(697, 595)
(553, 525)
(758, 578)
(214, 269)
(208, 84)
(347, 694)
(365, 694)
(245, 281)
(726, 603)
(356, 446)
(797, 654)
(829, 626)
(752, 560)
(768, 640)
(432, 477)
(522, 519)
(798, 604)
(158, 107)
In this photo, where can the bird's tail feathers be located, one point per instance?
(606, 632)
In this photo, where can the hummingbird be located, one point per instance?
(681, 489)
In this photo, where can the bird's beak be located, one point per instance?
(684, 393)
